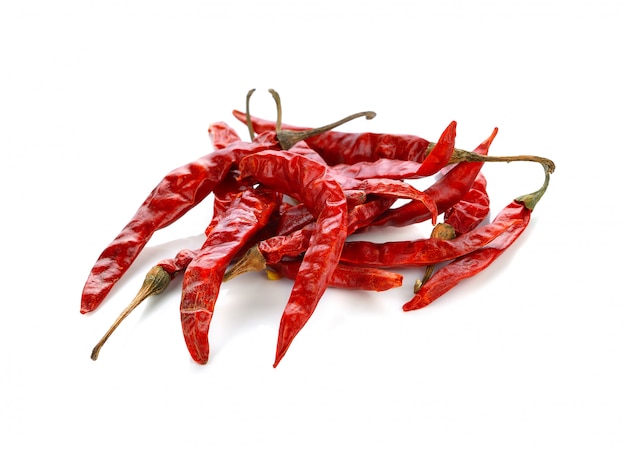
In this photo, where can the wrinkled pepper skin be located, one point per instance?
(203, 276)
(347, 276)
(472, 208)
(344, 147)
(309, 182)
(421, 252)
(178, 192)
(475, 262)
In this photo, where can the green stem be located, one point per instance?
(530, 200)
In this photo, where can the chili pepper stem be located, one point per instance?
(248, 119)
(155, 282)
(460, 155)
(288, 138)
(420, 282)
(530, 200)
(253, 260)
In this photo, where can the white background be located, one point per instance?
(99, 100)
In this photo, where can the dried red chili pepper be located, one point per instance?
(461, 218)
(347, 276)
(341, 147)
(436, 159)
(178, 192)
(203, 276)
(517, 214)
(308, 182)
(418, 253)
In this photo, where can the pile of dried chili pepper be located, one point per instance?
(287, 200)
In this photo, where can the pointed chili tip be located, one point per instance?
(89, 303)
(195, 325)
(283, 346)
(492, 136)
(414, 304)
(278, 359)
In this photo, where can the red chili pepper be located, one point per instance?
(418, 253)
(341, 147)
(177, 193)
(347, 276)
(205, 272)
(517, 214)
(310, 183)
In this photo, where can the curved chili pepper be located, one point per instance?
(347, 276)
(417, 253)
(310, 183)
(517, 214)
(178, 192)
(461, 218)
(204, 274)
